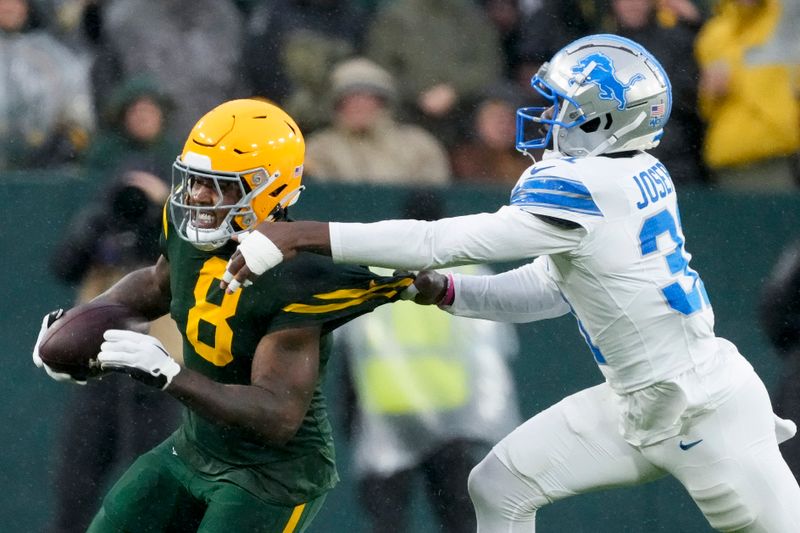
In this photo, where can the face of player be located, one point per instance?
(217, 195)
(547, 114)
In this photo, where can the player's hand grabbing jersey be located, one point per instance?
(221, 332)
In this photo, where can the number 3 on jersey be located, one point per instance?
(216, 314)
(682, 301)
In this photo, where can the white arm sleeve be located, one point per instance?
(525, 294)
(506, 235)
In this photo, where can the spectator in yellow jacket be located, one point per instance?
(749, 56)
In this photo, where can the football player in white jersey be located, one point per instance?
(598, 216)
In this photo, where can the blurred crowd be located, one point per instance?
(386, 91)
(421, 93)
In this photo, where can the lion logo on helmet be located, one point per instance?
(604, 76)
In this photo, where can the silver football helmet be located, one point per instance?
(606, 94)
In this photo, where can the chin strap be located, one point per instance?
(611, 141)
(207, 240)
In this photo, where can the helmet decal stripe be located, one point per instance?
(192, 159)
(603, 74)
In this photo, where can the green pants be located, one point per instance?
(160, 493)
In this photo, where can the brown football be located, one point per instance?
(72, 343)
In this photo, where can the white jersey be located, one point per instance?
(625, 276)
(643, 311)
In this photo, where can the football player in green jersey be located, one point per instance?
(254, 452)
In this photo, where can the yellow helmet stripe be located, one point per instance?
(164, 218)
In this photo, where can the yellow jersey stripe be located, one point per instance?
(357, 293)
(353, 296)
(295, 518)
(327, 308)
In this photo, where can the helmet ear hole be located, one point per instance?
(591, 126)
(277, 191)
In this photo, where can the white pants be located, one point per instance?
(728, 460)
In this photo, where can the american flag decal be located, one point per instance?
(657, 110)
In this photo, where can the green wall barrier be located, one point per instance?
(734, 240)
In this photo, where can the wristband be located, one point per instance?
(260, 253)
(449, 293)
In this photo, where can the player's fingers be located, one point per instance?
(132, 347)
(228, 279)
(239, 236)
(113, 355)
(52, 316)
(58, 376)
(233, 286)
(240, 278)
(126, 335)
(409, 293)
(114, 367)
(227, 276)
(47, 320)
(116, 348)
(61, 376)
(135, 339)
(37, 360)
(235, 264)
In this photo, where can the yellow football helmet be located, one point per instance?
(247, 144)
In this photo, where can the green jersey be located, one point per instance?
(221, 332)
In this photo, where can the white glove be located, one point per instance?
(141, 356)
(48, 321)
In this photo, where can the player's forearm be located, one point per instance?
(301, 236)
(520, 295)
(506, 235)
(410, 244)
(270, 419)
(142, 290)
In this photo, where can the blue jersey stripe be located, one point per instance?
(598, 355)
(555, 193)
(587, 207)
(552, 183)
